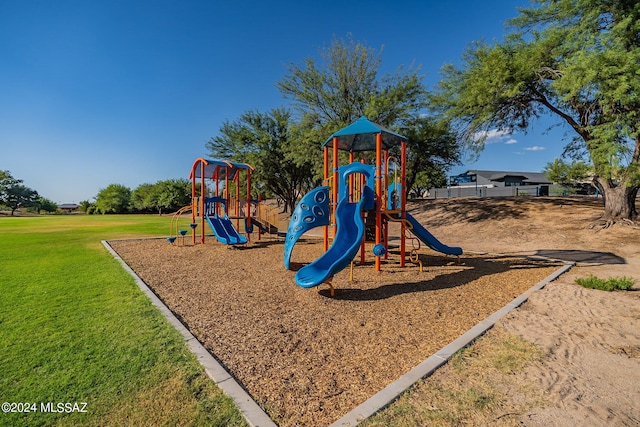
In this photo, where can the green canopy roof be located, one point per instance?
(361, 136)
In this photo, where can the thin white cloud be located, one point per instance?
(534, 148)
(496, 135)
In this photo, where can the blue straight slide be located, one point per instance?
(429, 240)
(349, 234)
(224, 230)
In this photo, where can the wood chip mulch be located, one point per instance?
(308, 358)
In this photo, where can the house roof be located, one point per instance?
(532, 177)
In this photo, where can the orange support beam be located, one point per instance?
(194, 194)
(403, 199)
(351, 182)
(259, 229)
(248, 220)
(385, 190)
(378, 179)
(335, 183)
(326, 182)
(364, 219)
(385, 182)
(203, 192)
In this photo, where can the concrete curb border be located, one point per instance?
(253, 414)
(256, 417)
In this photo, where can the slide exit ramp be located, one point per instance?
(429, 239)
(221, 225)
(224, 230)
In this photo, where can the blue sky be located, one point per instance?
(110, 91)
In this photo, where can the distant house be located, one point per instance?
(490, 179)
(68, 207)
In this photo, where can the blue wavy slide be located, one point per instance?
(421, 233)
(349, 234)
(224, 230)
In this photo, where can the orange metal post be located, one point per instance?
(225, 195)
(216, 177)
(259, 229)
(326, 165)
(335, 184)
(226, 184)
(203, 192)
(248, 206)
(363, 245)
(326, 182)
(385, 190)
(385, 172)
(378, 179)
(237, 209)
(351, 182)
(194, 200)
(403, 198)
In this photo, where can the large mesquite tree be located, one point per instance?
(575, 60)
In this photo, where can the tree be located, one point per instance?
(18, 196)
(265, 141)
(175, 193)
(15, 195)
(343, 86)
(567, 174)
(141, 197)
(170, 194)
(575, 61)
(6, 181)
(46, 205)
(87, 207)
(346, 86)
(432, 149)
(113, 199)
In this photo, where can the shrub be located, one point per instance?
(614, 283)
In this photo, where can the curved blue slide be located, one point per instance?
(423, 234)
(349, 234)
(224, 230)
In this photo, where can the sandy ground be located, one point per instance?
(590, 375)
(308, 359)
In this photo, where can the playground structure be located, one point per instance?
(217, 201)
(356, 204)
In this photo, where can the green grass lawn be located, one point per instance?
(75, 328)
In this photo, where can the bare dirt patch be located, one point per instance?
(590, 370)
